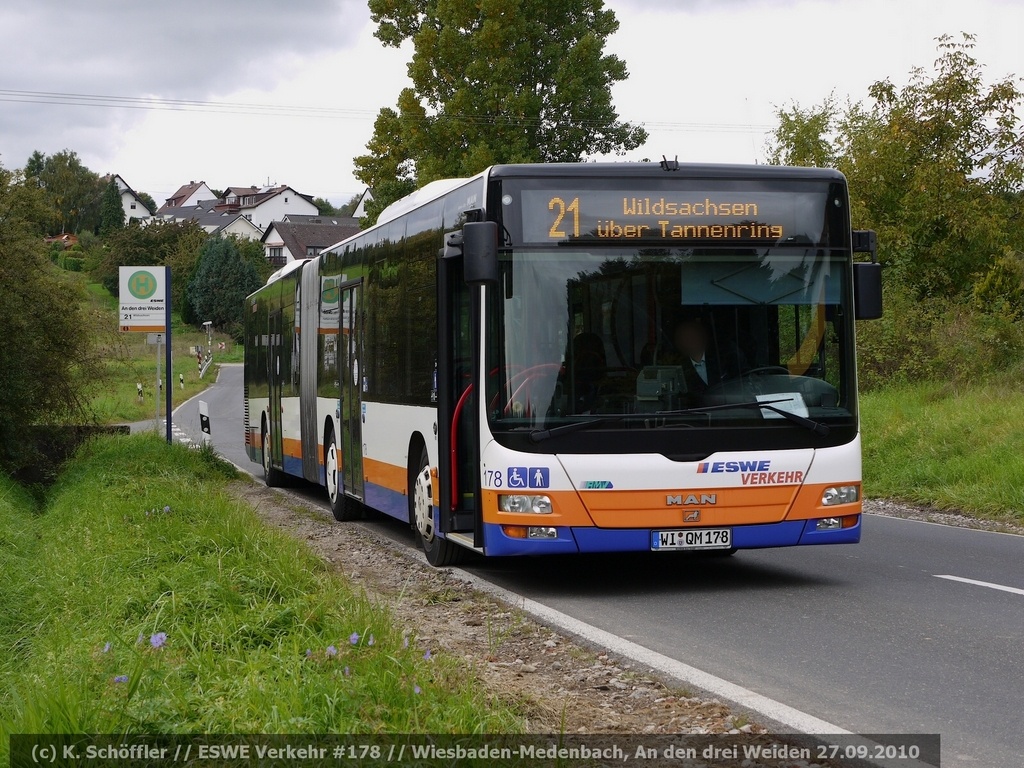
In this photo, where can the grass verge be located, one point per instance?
(129, 360)
(152, 602)
(951, 448)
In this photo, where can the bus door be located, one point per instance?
(274, 338)
(350, 349)
(457, 369)
(308, 309)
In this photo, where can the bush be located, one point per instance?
(936, 340)
(1001, 290)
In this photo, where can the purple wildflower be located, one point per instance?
(354, 638)
(405, 641)
(332, 651)
(417, 690)
(309, 653)
(121, 679)
(347, 671)
(426, 655)
(158, 640)
(167, 510)
(106, 648)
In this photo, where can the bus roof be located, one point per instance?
(685, 170)
(436, 189)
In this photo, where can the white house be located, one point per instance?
(205, 214)
(134, 207)
(188, 194)
(360, 209)
(303, 237)
(264, 205)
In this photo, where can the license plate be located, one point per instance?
(692, 538)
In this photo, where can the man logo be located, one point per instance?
(693, 517)
(690, 499)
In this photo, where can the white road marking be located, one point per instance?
(988, 584)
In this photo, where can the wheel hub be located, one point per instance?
(333, 485)
(422, 499)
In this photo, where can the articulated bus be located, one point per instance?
(588, 357)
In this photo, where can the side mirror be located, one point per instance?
(480, 252)
(867, 277)
(867, 290)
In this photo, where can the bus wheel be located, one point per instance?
(272, 477)
(343, 508)
(439, 552)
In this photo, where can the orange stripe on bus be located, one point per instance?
(654, 509)
(385, 475)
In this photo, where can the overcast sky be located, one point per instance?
(288, 91)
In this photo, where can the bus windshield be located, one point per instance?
(671, 337)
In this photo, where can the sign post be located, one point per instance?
(145, 306)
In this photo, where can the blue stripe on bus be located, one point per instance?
(785, 534)
(390, 502)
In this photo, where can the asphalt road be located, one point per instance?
(870, 637)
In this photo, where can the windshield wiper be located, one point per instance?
(540, 435)
(815, 426)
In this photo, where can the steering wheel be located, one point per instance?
(764, 370)
(519, 383)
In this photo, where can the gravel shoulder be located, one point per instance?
(556, 683)
(941, 517)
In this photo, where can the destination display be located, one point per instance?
(691, 216)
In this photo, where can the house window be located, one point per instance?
(312, 250)
(286, 201)
(276, 256)
(247, 216)
(133, 206)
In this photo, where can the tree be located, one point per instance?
(34, 166)
(221, 282)
(46, 360)
(161, 243)
(71, 191)
(324, 207)
(934, 167)
(494, 81)
(111, 210)
(349, 207)
(148, 201)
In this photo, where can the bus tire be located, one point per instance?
(343, 508)
(440, 552)
(271, 476)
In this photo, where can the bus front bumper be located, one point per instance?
(566, 540)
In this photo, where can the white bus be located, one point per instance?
(578, 358)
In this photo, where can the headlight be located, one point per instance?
(840, 494)
(540, 505)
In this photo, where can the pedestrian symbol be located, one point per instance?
(540, 477)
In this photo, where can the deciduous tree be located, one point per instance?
(935, 166)
(72, 192)
(494, 81)
(46, 361)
